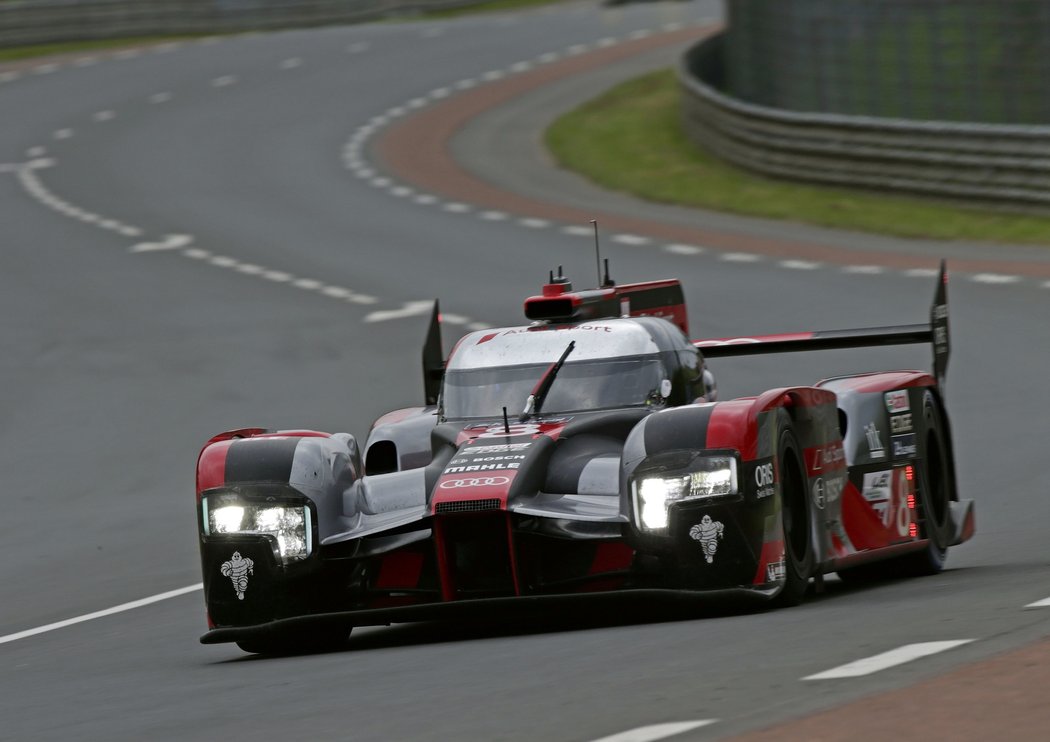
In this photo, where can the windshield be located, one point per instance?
(586, 385)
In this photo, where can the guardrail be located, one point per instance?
(1001, 164)
(25, 22)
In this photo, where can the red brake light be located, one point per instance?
(909, 472)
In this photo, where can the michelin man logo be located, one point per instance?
(238, 569)
(707, 532)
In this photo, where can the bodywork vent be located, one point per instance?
(467, 506)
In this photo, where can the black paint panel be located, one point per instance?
(261, 460)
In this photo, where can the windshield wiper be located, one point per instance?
(535, 400)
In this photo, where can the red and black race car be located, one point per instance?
(583, 454)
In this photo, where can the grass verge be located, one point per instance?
(630, 139)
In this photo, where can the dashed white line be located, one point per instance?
(1044, 603)
(36, 152)
(408, 309)
(277, 276)
(799, 265)
(492, 216)
(63, 134)
(892, 658)
(576, 49)
(100, 614)
(101, 116)
(127, 54)
(465, 84)
(250, 269)
(474, 326)
(639, 34)
(46, 69)
(160, 98)
(438, 93)
(577, 231)
(606, 42)
(493, 75)
(994, 278)
(534, 223)
(425, 199)
(307, 284)
(679, 249)
(417, 103)
(521, 67)
(548, 58)
(196, 253)
(9, 76)
(456, 207)
(870, 270)
(291, 63)
(921, 273)
(224, 81)
(223, 262)
(170, 242)
(739, 257)
(630, 239)
(454, 319)
(401, 191)
(656, 731)
(357, 47)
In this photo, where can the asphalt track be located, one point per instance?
(262, 253)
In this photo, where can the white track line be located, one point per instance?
(883, 661)
(1044, 603)
(101, 614)
(656, 731)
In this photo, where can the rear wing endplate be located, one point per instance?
(936, 333)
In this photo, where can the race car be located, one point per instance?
(583, 455)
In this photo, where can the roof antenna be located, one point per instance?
(607, 282)
(597, 251)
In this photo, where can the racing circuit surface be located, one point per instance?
(211, 234)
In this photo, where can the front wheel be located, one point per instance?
(794, 514)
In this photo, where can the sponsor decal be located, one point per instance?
(237, 569)
(707, 532)
(501, 448)
(875, 448)
(900, 423)
(831, 456)
(904, 446)
(461, 458)
(776, 571)
(818, 493)
(498, 431)
(897, 401)
(451, 484)
(481, 467)
(878, 491)
(833, 488)
(764, 480)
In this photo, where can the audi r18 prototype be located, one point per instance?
(585, 453)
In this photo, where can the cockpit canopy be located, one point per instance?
(615, 363)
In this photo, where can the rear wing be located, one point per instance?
(935, 333)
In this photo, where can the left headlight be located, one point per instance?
(287, 524)
(655, 491)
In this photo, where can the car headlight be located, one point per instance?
(656, 491)
(288, 524)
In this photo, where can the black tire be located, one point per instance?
(327, 639)
(795, 514)
(935, 491)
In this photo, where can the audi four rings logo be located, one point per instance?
(452, 484)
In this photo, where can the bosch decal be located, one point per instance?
(707, 532)
(818, 493)
(451, 484)
(485, 459)
(900, 423)
(237, 569)
(904, 446)
(897, 401)
(875, 448)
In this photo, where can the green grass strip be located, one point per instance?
(43, 50)
(630, 139)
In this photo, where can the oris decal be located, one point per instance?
(897, 402)
(237, 569)
(452, 484)
(764, 480)
(708, 532)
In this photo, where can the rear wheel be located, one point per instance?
(794, 513)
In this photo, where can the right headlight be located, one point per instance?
(288, 524)
(657, 489)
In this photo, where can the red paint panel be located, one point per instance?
(513, 556)
(448, 582)
(494, 433)
(733, 424)
(211, 466)
(862, 524)
(400, 569)
(611, 556)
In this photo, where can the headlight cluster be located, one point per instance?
(288, 524)
(655, 492)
